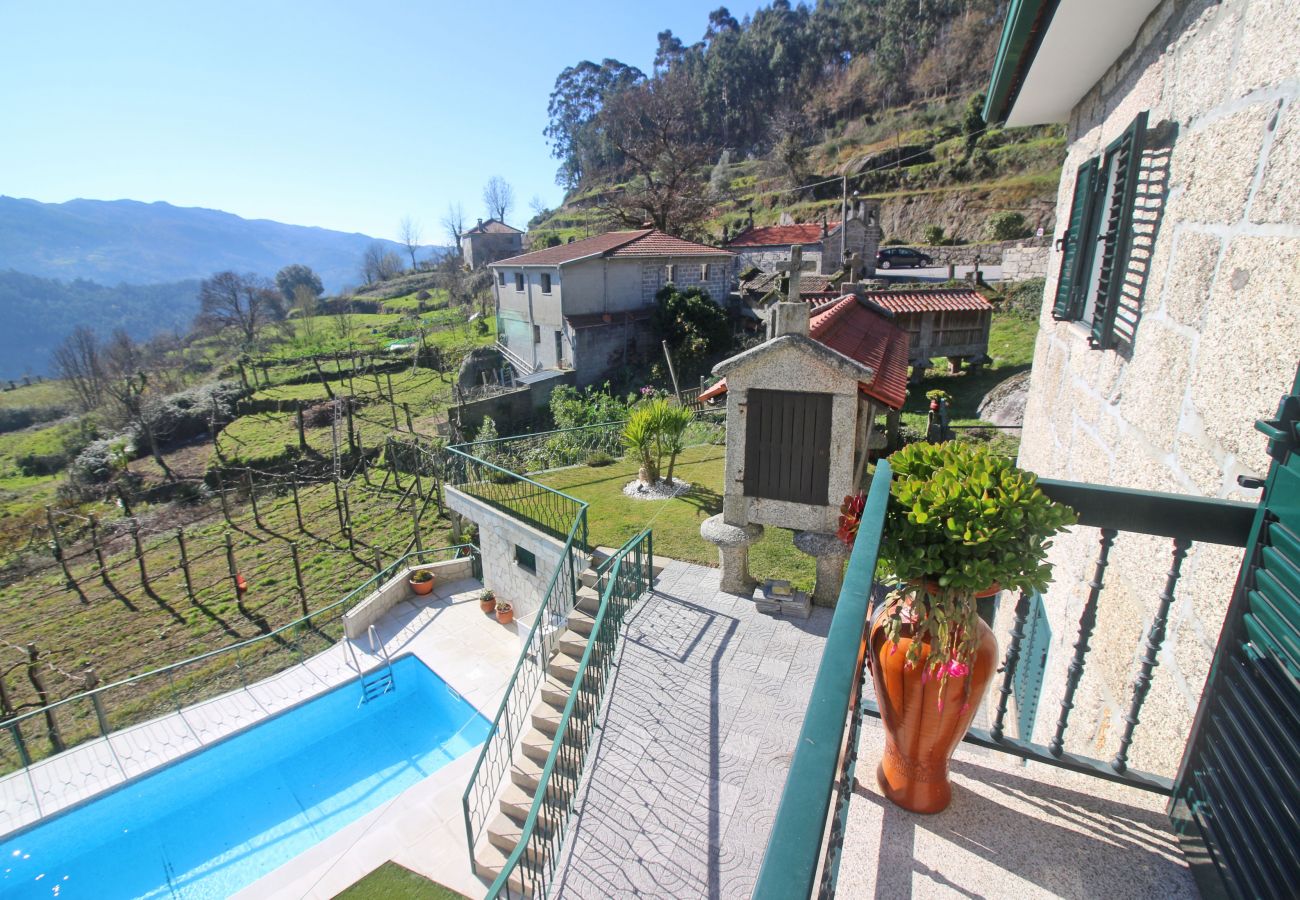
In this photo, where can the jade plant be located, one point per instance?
(960, 520)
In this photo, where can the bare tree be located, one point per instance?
(453, 222)
(537, 206)
(127, 384)
(410, 233)
(80, 363)
(498, 197)
(306, 306)
(378, 264)
(242, 303)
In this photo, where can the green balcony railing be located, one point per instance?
(528, 871)
(803, 851)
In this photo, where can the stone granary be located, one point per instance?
(801, 409)
(489, 241)
(949, 323)
(825, 244)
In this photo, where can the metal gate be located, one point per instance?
(1236, 801)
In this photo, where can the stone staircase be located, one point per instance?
(504, 831)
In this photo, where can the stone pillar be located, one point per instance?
(733, 552)
(831, 555)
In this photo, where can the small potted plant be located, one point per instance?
(961, 523)
(421, 581)
(505, 612)
(487, 600)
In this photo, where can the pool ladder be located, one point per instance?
(377, 682)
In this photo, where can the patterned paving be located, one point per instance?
(684, 779)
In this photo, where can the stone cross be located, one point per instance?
(794, 268)
(854, 265)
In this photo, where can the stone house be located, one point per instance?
(1171, 316)
(767, 247)
(585, 306)
(489, 241)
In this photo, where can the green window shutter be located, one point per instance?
(1075, 235)
(1125, 155)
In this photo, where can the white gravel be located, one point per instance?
(661, 490)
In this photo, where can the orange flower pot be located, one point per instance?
(924, 717)
(505, 616)
(488, 605)
(421, 587)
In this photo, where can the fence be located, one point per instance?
(528, 870)
(795, 864)
(109, 708)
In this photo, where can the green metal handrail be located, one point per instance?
(790, 865)
(95, 694)
(585, 698)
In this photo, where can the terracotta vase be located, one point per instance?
(488, 605)
(421, 587)
(920, 733)
(505, 616)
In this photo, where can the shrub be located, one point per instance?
(189, 413)
(1024, 299)
(1006, 226)
(598, 458)
(933, 235)
(571, 407)
(318, 415)
(101, 460)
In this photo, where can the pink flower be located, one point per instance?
(957, 669)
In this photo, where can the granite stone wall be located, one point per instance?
(1209, 340)
(1022, 261)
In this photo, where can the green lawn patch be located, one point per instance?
(613, 518)
(393, 882)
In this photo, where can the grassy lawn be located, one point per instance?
(393, 882)
(613, 518)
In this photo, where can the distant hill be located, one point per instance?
(112, 241)
(38, 313)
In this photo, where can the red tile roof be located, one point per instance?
(933, 300)
(855, 330)
(493, 226)
(659, 243)
(644, 242)
(780, 235)
(862, 334)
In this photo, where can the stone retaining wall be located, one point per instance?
(359, 619)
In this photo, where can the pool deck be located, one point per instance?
(422, 828)
(683, 782)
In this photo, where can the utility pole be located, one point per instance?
(844, 213)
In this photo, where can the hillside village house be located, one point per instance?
(586, 305)
(825, 244)
(489, 241)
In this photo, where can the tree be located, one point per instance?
(972, 124)
(241, 303)
(127, 385)
(655, 130)
(79, 362)
(379, 264)
(306, 308)
(290, 278)
(579, 95)
(453, 222)
(693, 325)
(1007, 226)
(498, 197)
(410, 234)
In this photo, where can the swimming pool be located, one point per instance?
(217, 821)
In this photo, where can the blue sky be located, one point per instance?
(343, 115)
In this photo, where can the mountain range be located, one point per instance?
(115, 241)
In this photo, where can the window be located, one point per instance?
(526, 559)
(708, 272)
(787, 446)
(670, 272)
(559, 348)
(519, 282)
(537, 334)
(501, 277)
(546, 283)
(1095, 246)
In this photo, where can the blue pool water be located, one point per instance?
(215, 822)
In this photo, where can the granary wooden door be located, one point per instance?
(1236, 801)
(787, 445)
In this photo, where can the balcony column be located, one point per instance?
(733, 552)
(831, 555)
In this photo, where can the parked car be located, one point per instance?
(901, 258)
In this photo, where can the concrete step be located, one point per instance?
(516, 801)
(546, 718)
(573, 643)
(505, 832)
(555, 692)
(582, 622)
(588, 600)
(536, 744)
(588, 578)
(527, 772)
(489, 860)
(564, 667)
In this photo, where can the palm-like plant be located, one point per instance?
(640, 435)
(674, 421)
